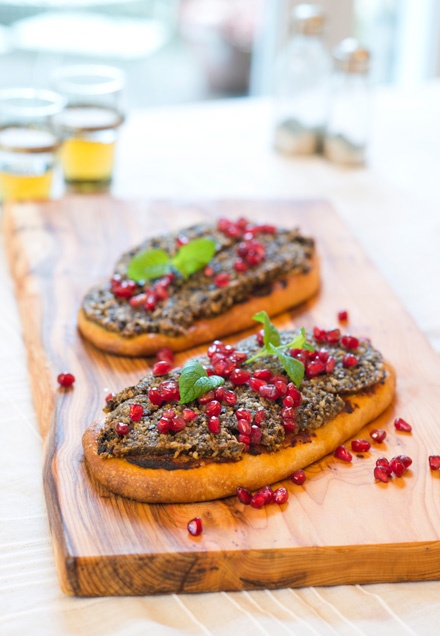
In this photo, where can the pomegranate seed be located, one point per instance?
(294, 393)
(299, 354)
(342, 453)
(434, 462)
(267, 493)
(207, 397)
(218, 357)
(260, 337)
(381, 474)
(280, 496)
(222, 279)
(244, 495)
(402, 425)
(239, 356)
(223, 224)
(397, 467)
(279, 378)
(243, 414)
(124, 289)
(245, 439)
(240, 265)
(350, 342)
(189, 415)
(281, 387)
(349, 361)
(210, 371)
(181, 240)
(109, 397)
(213, 408)
(313, 369)
(224, 368)
(259, 417)
(161, 293)
(342, 315)
(162, 367)
(230, 398)
(150, 302)
(65, 379)
(269, 391)
(163, 425)
(233, 231)
(136, 412)
(169, 414)
(360, 445)
(229, 349)
(209, 272)
(138, 300)
(263, 374)
(330, 365)
(165, 354)
(290, 426)
(288, 413)
(256, 384)
(155, 397)
(239, 377)
(378, 435)
(177, 424)
(244, 427)
(320, 335)
(122, 429)
(214, 425)
(169, 391)
(219, 393)
(382, 462)
(298, 477)
(288, 401)
(256, 434)
(195, 527)
(333, 336)
(323, 355)
(406, 461)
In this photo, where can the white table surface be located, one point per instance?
(223, 149)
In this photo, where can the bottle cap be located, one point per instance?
(351, 57)
(308, 19)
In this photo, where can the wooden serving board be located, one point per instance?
(340, 527)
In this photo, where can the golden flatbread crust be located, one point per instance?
(294, 290)
(217, 480)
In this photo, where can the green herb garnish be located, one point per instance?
(194, 381)
(272, 347)
(154, 263)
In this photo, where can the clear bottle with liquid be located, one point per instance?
(301, 84)
(346, 134)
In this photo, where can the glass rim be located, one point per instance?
(54, 102)
(70, 79)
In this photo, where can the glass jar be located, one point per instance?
(301, 84)
(346, 135)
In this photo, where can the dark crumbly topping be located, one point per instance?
(287, 252)
(322, 401)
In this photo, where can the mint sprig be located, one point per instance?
(272, 347)
(194, 381)
(154, 263)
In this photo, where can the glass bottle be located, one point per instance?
(301, 84)
(346, 135)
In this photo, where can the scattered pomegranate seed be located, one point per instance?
(189, 415)
(350, 342)
(313, 369)
(243, 414)
(169, 391)
(280, 496)
(161, 293)
(267, 493)
(230, 398)
(333, 336)
(342, 453)
(381, 474)
(155, 397)
(342, 315)
(165, 354)
(124, 289)
(162, 367)
(256, 434)
(169, 414)
(209, 396)
(299, 354)
(138, 300)
(263, 374)
(222, 279)
(268, 391)
(378, 435)
(397, 467)
(257, 501)
(177, 424)
(136, 412)
(244, 427)
(349, 361)
(401, 425)
(290, 426)
(214, 425)
(281, 387)
(320, 335)
(298, 477)
(122, 429)
(330, 364)
(360, 445)
(288, 413)
(406, 461)
(150, 302)
(213, 408)
(65, 379)
(323, 355)
(163, 425)
(255, 384)
(195, 527)
(294, 393)
(434, 462)
(246, 440)
(259, 417)
(288, 401)
(239, 356)
(244, 495)
(383, 463)
(239, 377)
(219, 393)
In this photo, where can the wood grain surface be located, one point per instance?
(340, 527)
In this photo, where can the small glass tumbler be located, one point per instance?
(89, 124)
(28, 142)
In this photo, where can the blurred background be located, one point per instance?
(178, 51)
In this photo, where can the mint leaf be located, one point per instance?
(271, 333)
(300, 342)
(194, 381)
(193, 256)
(149, 265)
(294, 368)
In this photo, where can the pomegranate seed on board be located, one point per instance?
(342, 315)
(195, 527)
(342, 453)
(382, 462)
(214, 425)
(213, 408)
(360, 445)
(401, 425)
(244, 495)
(65, 379)
(257, 501)
(267, 493)
(381, 474)
(298, 477)
(406, 461)
(122, 429)
(350, 342)
(136, 412)
(378, 435)
(349, 361)
(162, 367)
(434, 462)
(280, 496)
(165, 354)
(397, 467)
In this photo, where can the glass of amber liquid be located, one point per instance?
(28, 142)
(89, 124)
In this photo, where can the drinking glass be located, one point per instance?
(89, 124)
(28, 142)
